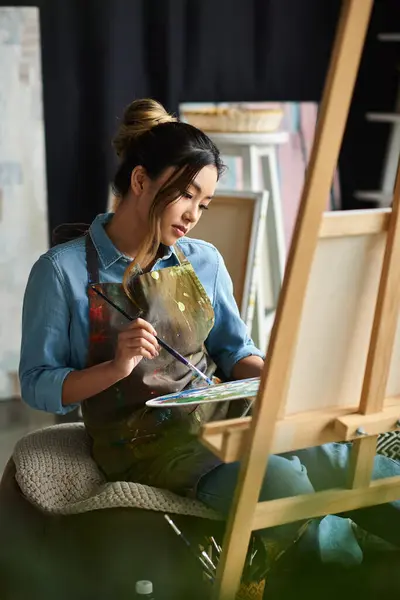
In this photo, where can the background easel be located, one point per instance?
(292, 412)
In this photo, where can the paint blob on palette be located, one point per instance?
(222, 392)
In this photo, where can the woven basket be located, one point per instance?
(235, 120)
(251, 591)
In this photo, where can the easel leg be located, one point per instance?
(362, 462)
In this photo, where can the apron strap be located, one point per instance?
(92, 261)
(67, 232)
(180, 255)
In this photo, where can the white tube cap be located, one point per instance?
(144, 588)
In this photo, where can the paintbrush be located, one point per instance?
(207, 558)
(216, 546)
(163, 344)
(209, 567)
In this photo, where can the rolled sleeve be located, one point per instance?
(228, 341)
(45, 345)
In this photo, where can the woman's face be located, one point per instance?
(181, 216)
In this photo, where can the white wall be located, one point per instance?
(23, 218)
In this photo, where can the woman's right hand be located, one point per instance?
(138, 341)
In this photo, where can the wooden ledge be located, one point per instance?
(356, 425)
(226, 439)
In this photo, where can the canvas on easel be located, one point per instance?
(332, 346)
(345, 326)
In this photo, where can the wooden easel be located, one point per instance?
(294, 410)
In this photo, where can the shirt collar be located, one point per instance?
(107, 252)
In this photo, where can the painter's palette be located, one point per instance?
(221, 392)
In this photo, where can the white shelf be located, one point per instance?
(389, 37)
(383, 117)
(245, 139)
(374, 196)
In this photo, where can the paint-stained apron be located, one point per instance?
(131, 442)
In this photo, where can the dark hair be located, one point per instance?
(148, 136)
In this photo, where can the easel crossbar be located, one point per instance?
(333, 501)
(227, 439)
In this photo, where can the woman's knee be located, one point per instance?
(285, 477)
(216, 489)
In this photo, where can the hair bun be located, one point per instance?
(140, 116)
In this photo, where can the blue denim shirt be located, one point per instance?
(55, 319)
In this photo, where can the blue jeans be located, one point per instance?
(304, 472)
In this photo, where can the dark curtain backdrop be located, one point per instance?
(98, 55)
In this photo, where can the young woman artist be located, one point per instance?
(76, 348)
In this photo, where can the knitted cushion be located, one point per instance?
(55, 472)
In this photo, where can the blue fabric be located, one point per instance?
(305, 472)
(55, 325)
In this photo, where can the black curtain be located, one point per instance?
(98, 55)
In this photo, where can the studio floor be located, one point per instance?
(16, 420)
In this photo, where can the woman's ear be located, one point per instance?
(138, 180)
